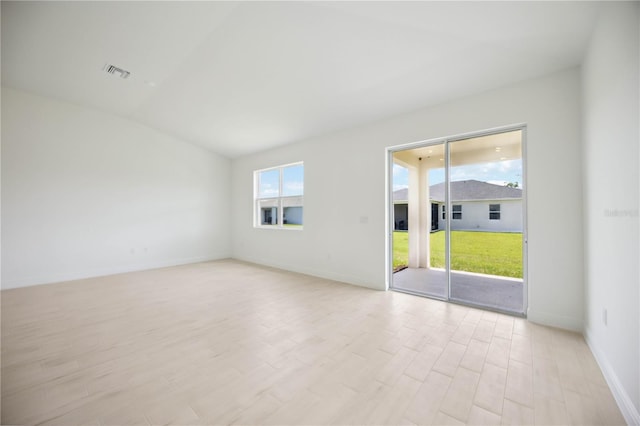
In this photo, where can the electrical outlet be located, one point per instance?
(604, 316)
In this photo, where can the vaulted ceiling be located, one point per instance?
(240, 77)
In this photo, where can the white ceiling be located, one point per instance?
(240, 77)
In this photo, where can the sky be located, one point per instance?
(292, 182)
(498, 173)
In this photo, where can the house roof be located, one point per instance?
(401, 194)
(466, 190)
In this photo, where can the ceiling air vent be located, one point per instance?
(112, 69)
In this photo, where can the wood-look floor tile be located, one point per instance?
(450, 358)
(479, 416)
(475, 355)
(423, 362)
(521, 349)
(490, 316)
(292, 412)
(550, 411)
(519, 387)
(392, 370)
(172, 414)
(386, 407)
(444, 419)
(360, 378)
(361, 408)
(126, 419)
(589, 367)
(504, 327)
(516, 414)
(606, 405)
(546, 380)
(582, 410)
(473, 316)
(330, 406)
(229, 342)
(498, 353)
(464, 333)
(426, 403)
(459, 397)
(484, 330)
(491, 388)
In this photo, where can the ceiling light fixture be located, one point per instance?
(112, 69)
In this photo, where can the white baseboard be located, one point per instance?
(101, 272)
(348, 279)
(554, 320)
(628, 409)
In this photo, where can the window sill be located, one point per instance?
(280, 228)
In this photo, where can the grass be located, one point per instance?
(400, 249)
(493, 253)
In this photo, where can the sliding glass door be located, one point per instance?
(418, 226)
(458, 220)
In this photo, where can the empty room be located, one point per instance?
(300, 213)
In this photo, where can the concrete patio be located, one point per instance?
(501, 293)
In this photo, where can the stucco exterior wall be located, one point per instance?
(475, 216)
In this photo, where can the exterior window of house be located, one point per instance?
(456, 211)
(494, 211)
(278, 196)
(443, 212)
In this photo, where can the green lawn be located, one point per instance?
(400, 249)
(494, 253)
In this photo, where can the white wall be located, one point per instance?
(611, 182)
(475, 216)
(344, 225)
(85, 194)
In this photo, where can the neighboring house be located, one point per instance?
(476, 206)
(401, 209)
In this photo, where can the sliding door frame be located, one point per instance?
(389, 223)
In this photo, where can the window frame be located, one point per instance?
(493, 211)
(280, 203)
(456, 214)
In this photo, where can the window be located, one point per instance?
(443, 212)
(278, 196)
(456, 211)
(494, 211)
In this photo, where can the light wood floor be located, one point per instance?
(228, 342)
